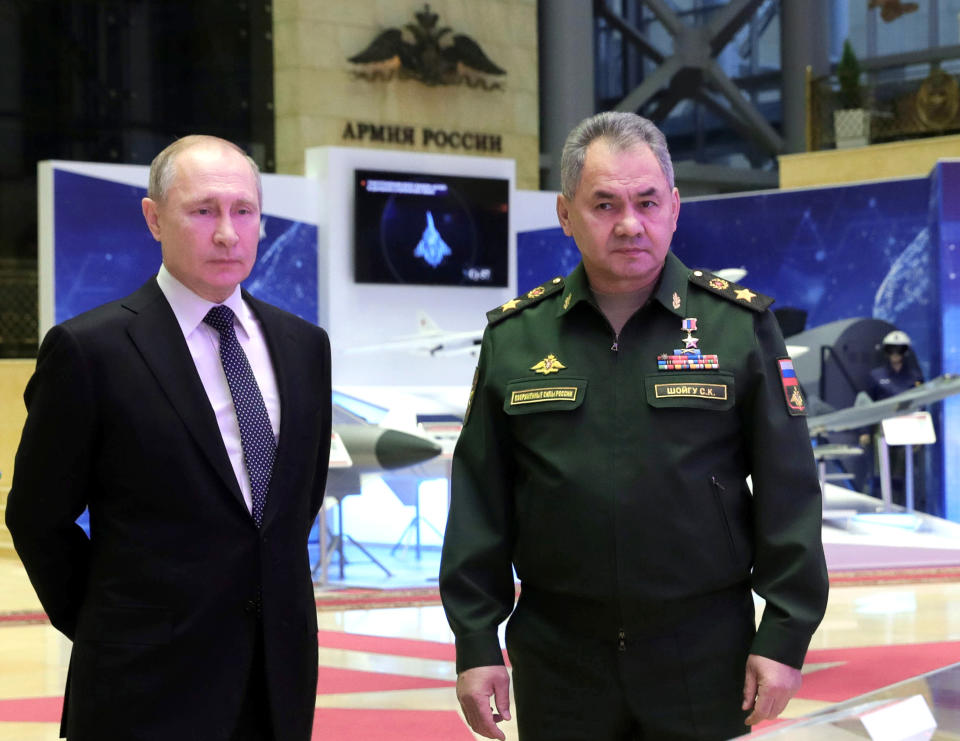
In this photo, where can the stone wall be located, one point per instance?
(322, 99)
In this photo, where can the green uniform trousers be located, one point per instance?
(577, 678)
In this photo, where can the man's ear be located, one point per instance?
(563, 214)
(151, 216)
(675, 195)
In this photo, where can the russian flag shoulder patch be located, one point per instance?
(796, 404)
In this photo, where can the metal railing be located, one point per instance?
(18, 308)
(906, 96)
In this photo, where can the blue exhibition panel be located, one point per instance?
(103, 250)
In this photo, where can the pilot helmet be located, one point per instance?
(896, 341)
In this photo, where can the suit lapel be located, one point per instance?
(157, 336)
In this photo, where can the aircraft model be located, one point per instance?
(833, 363)
(357, 448)
(363, 448)
(429, 340)
(866, 412)
(371, 448)
(432, 340)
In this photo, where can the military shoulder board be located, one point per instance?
(731, 291)
(527, 299)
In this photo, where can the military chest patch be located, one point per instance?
(712, 390)
(796, 405)
(715, 391)
(525, 396)
(552, 393)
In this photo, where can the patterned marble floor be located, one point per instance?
(389, 673)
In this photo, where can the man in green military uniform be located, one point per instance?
(615, 417)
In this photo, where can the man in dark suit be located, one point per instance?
(198, 437)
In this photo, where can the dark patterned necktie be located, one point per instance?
(256, 434)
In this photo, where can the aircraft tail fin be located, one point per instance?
(426, 325)
(862, 400)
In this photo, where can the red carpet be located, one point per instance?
(871, 667)
(365, 599)
(391, 646)
(390, 725)
(22, 617)
(333, 681)
(368, 599)
(866, 577)
(31, 710)
(858, 671)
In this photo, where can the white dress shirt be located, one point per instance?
(204, 343)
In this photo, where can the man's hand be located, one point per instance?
(474, 689)
(768, 687)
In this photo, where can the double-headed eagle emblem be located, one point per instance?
(433, 58)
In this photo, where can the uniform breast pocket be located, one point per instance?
(536, 395)
(685, 390)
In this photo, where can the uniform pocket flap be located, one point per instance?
(691, 390)
(532, 395)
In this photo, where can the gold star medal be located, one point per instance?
(548, 365)
(690, 357)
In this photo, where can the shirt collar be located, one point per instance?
(576, 288)
(671, 291)
(190, 309)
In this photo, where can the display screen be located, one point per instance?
(427, 229)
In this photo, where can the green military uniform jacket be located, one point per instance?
(601, 477)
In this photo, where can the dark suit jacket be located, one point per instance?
(161, 602)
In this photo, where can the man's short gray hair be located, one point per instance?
(622, 131)
(163, 168)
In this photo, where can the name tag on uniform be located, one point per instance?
(717, 391)
(537, 395)
(552, 393)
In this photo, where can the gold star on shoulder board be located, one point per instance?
(511, 304)
(745, 294)
(548, 365)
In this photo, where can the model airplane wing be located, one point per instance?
(429, 340)
(734, 275)
(865, 414)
